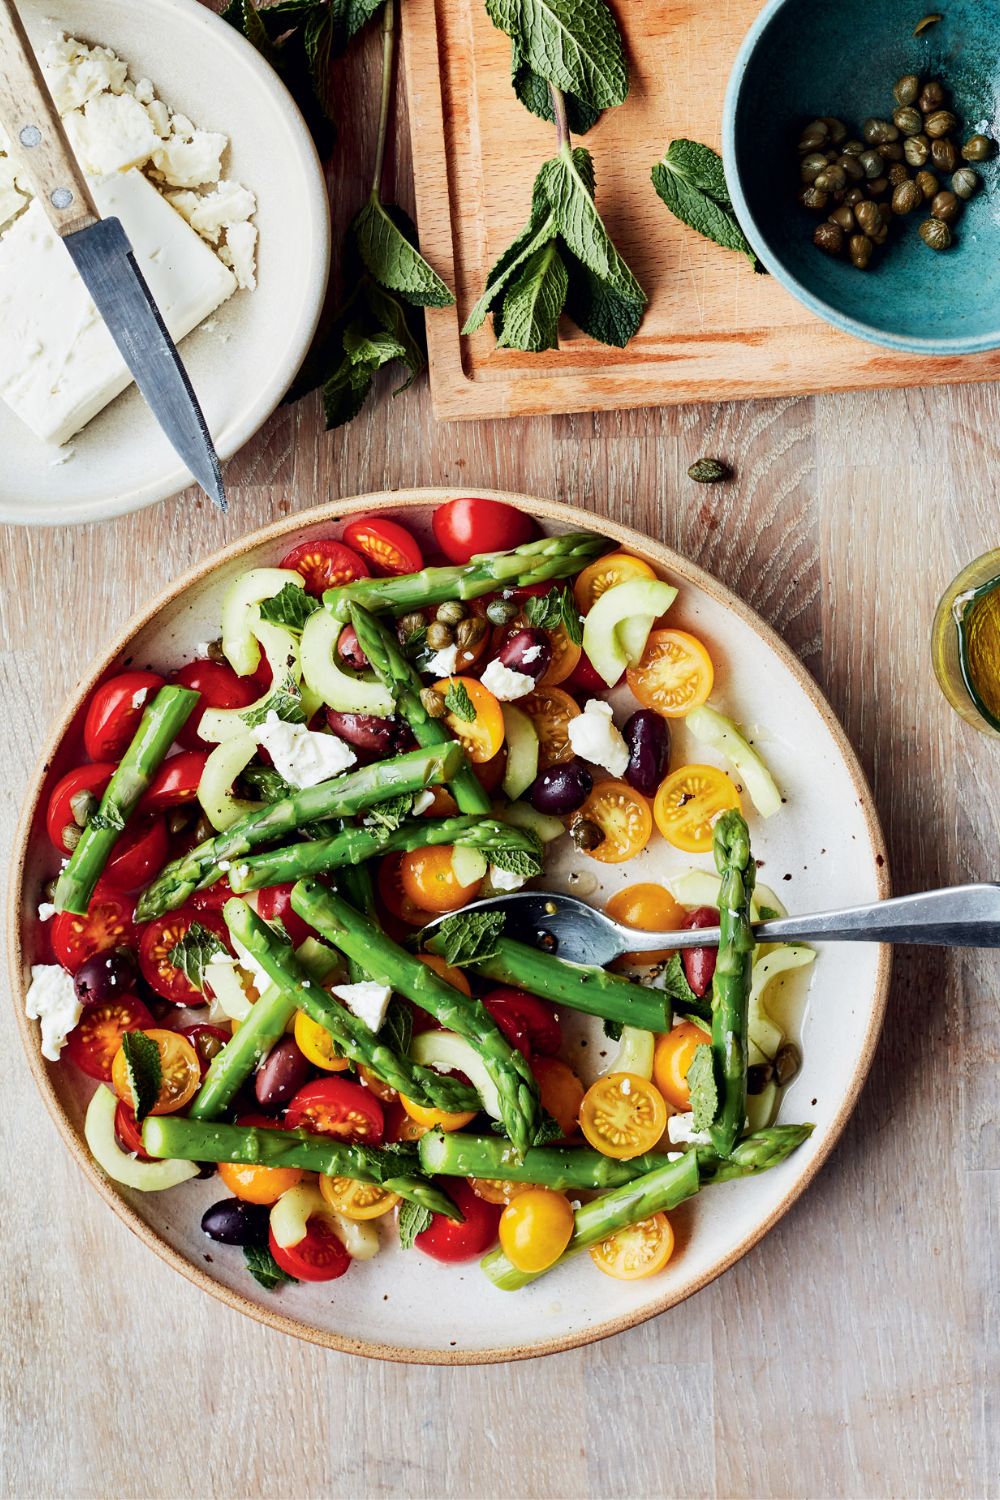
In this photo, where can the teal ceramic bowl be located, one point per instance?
(805, 58)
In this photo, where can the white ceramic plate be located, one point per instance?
(242, 367)
(824, 849)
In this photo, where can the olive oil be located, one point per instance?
(965, 643)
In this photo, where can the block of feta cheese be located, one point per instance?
(112, 133)
(59, 365)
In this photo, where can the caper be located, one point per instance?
(71, 836)
(939, 123)
(829, 237)
(928, 184)
(844, 219)
(854, 147)
(892, 151)
(831, 179)
(450, 612)
(851, 165)
(433, 703)
(81, 805)
(917, 150)
(944, 155)
(709, 471)
(935, 233)
(878, 186)
(833, 155)
(872, 163)
(410, 625)
(787, 1062)
(216, 653)
(869, 217)
(946, 207)
(908, 121)
(816, 130)
(759, 1075)
(965, 182)
(814, 198)
(585, 834)
(501, 611)
(977, 148)
(906, 198)
(439, 635)
(178, 819)
(878, 132)
(853, 195)
(860, 249)
(470, 632)
(811, 166)
(932, 96)
(896, 174)
(809, 140)
(836, 128)
(907, 88)
(203, 830)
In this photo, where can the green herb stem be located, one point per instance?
(559, 114)
(388, 63)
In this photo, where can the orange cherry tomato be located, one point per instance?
(535, 1229)
(623, 816)
(673, 1055)
(673, 675)
(482, 735)
(443, 806)
(623, 1115)
(381, 1090)
(560, 1091)
(550, 711)
(687, 804)
(258, 1184)
(429, 879)
(640, 1250)
(446, 971)
(394, 897)
(497, 1189)
(180, 1072)
(356, 1200)
(605, 573)
(439, 1119)
(489, 773)
(565, 657)
(648, 908)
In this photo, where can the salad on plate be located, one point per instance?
(254, 845)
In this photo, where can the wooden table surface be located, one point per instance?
(856, 1351)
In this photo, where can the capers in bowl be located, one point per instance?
(830, 238)
(906, 198)
(917, 151)
(908, 121)
(939, 123)
(935, 234)
(928, 184)
(977, 148)
(965, 182)
(861, 248)
(879, 132)
(946, 207)
(907, 89)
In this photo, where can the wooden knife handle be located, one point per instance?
(37, 139)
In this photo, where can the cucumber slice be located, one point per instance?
(699, 888)
(720, 734)
(635, 1053)
(289, 1218)
(215, 789)
(121, 1166)
(320, 962)
(359, 1237)
(281, 647)
(626, 607)
(763, 1032)
(339, 690)
(522, 751)
(241, 622)
(447, 1051)
(761, 1108)
(469, 865)
(523, 815)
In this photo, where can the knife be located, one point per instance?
(101, 253)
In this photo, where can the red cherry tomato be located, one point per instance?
(388, 546)
(334, 1106)
(213, 897)
(97, 1035)
(319, 1256)
(275, 901)
(219, 687)
(699, 963)
(59, 816)
(489, 773)
(446, 1240)
(470, 525)
(585, 678)
(140, 852)
(107, 924)
(176, 782)
(159, 938)
(325, 564)
(114, 713)
(526, 1014)
(127, 1130)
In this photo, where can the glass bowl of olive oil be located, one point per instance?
(965, 643)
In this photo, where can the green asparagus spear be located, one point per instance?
(354, 845)
(159, 726)
(402, 680)
(731, 984)
(175, 1138)
(535, 562)
(350, 793)
(355, 885)
(583, 987)
(384, 961)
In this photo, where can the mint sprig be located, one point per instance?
(290, 607)
(458, 702)
(469, 937)
(414, 1218)
(144, 1072)
(703, 1088)
(264, 1268)
(195, 951)
(692, 183)
(575, 47)
(285, 700)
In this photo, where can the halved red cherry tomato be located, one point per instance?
(325, 564)
(446, 1240)
(213, 897)
(319, 1256)
(219, 687)
(388, 546)
(334, 1106)
(470, 525)
(127, 1130)
(585, 678)
(274, 902)
(96, 1037)
(85, 779)
(158, 940)
(536, 1021)
(139, 853)
(176, 782)
(114, 713)
(107, 924)
(207, 1041)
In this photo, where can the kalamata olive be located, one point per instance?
(648, 740)
(349, 649)
(281, 1074)
(233, 1222)
(368, 731)
(106, 976)
(699, 963)
(561, 789)
(528, 650)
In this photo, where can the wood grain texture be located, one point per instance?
(713, 329)
(854, 1353)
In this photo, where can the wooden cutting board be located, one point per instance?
(713, 330)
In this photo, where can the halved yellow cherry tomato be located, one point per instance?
(439, 1119)
(482, 735)
(605, 573)
(497, 1189)
(688, 803)
(429, 879)
(316, 1043)
(672, 1056)
(356, 1200)
(381, 1090)
(550, 711)
(443, 806)
(623, 816)
(560, 1091)
(394, 898)
(640, 1250)
(446, 971)
(623, 1115)
(649, 908)
(180, 1072)
(565, 655)
(673, 675)
(535, 1229)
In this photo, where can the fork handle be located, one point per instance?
(38, 140)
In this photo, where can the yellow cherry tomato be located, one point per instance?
(648, 908)
(672, 1056)
(316, 1043)
(535, 1229)
(673, 675)
(446, 971)
(429, 879)
(605, 573)
(381, 1090)
(623, 816)
(438, 1119)
(688, 803)
(550, 711)
(482, 735)
(640, 1250)
(497, 1189)
(356, 1200)
(180, 1072)
(560, 1091)
(623, 1115)
(565, 655)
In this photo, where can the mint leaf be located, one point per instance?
(603, 312)
(691, 181)
(613, 1030)
(468, 937)
(549, 1130)
(567, 182)
(517, 861)
(458, 702)
(545, 611)
(195, 952)
(537, 232)
(317, 43)
(571, 621)
(290, 607)
(675, 985)
(264, 1268)
(285, 700)
(396, 1030)
(414, 1218)
(142, 1066)
(390, 316)
(768, 914)
(573, 45)
(533, 91)
(534, 302)
(704, 1090)
(109, 816)
(386, 817)
(265, 783)
(393, 260)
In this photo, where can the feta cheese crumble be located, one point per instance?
(51, 999)
(506, 684)
(304, 757)
(422, 801)
(679, 1132)
(46, 911)
(505, 880)
(594, 737)
(444, 662)
(369, 1001)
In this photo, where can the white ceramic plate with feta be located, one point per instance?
(243, 356)
(824, 849)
